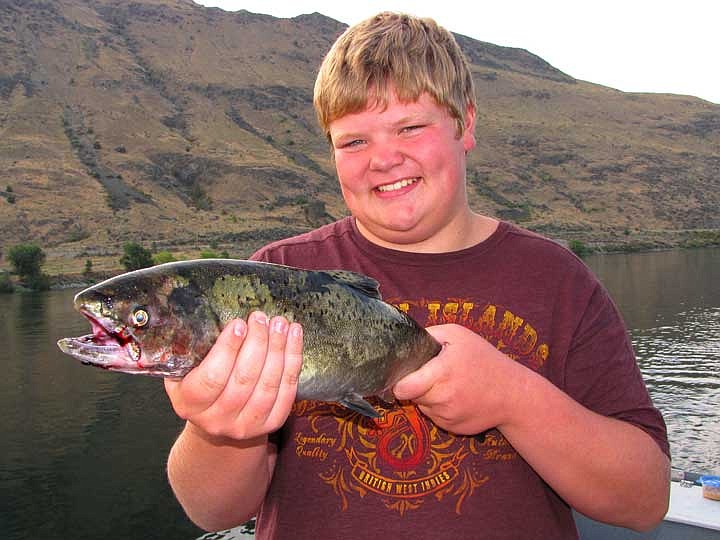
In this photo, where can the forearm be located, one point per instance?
(607, 469)
(219, 483)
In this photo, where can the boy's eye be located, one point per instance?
(412, 128)
(350, 144)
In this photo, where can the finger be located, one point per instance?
(205, 383)
(443, 333)
(266, 391)
(290, 377)
(419, 382)
(248, 366)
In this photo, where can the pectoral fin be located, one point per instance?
(358, 404)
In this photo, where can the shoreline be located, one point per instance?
(64, 264)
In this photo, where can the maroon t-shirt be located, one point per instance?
(342, 475)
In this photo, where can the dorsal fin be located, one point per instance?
(360, 282)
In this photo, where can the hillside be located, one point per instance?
(180, 126)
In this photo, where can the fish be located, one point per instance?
(163, 320)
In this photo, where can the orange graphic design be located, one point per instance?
(401, 458)
(507, 331)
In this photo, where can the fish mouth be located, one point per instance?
(110, 346)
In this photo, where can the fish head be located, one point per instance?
(145, 322)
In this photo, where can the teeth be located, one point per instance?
(133, 350)
(397, 185)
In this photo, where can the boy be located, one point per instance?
(534, 405)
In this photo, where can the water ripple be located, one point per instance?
(681, 366)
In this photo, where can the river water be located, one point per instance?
(82, 451)
(671, 304)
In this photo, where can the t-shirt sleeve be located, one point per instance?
(266, 254)
(602, 372)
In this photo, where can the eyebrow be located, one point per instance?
(412, 118)
(407, 119)
(345, 136)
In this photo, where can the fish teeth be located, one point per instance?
(397, 185)
(134, 351)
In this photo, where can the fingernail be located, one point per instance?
(296, 331)
(279, 325)
(261, 318)
(239, 328)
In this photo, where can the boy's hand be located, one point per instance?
(246, 385)
(466, 389)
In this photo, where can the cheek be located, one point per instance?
(350, 173)
(181, 344)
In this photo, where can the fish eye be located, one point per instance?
(140, 317)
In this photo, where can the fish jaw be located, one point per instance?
(112, 346)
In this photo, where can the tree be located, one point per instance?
(135, 256)
(26, 259)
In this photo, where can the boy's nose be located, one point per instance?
(385, 157)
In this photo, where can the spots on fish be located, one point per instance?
(233, 296)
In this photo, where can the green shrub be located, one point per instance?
(26, 259)
(135, 256)
(579, 248)
(163, 257)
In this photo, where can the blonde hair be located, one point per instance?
(414, 55)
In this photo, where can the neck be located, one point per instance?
(466, 231)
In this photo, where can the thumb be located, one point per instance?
(417, 383)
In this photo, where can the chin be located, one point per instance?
(398, 236)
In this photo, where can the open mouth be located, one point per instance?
(109, 346)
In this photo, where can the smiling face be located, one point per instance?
(402, 173)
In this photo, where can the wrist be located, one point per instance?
(523, 395)
(197, 432)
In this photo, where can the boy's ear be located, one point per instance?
(468, 135)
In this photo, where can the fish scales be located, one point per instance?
(163, 320)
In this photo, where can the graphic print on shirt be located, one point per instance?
(400, 458)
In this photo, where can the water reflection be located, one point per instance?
(671, 302)
(83, 450)
(653, 289)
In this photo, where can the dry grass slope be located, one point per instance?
(181, 127)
